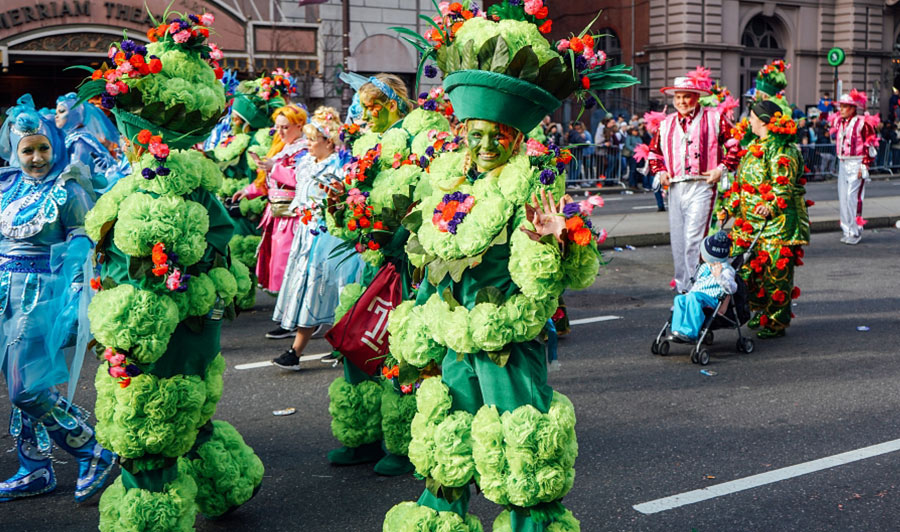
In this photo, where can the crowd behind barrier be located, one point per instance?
(610, 166)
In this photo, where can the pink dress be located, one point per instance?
(278, 224)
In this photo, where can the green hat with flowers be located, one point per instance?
(168, 87)
(771, 78)
(498, 65)
(256, 100)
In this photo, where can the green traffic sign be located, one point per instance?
(836, 57)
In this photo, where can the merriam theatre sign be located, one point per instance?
(54, 28)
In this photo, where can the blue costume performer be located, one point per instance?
(44, 260)
(86, 129)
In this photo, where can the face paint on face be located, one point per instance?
(35, 155)
(62, 115)
(490, 144)
(237, 124)
(379, 115)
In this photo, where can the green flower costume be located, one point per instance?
(488, 290)
(367, 411)
(770, 174)
(167, 281)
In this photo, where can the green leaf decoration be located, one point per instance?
(171, 114)
(500, 58)
(422, 41)
(469, 57)
(490, 294)
(408, 374)
(456, 268)
(436, 271)
(447, 296)
(500, 357)
(517, 62)
(152, 111)
(452, 60)
(486, 52)
(90, 89)
(531, 65)
(413, 222)
(441, 58)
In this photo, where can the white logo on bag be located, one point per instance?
(382, 308)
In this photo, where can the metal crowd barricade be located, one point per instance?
(820, 160)
(595, 164)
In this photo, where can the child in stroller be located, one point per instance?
(717, 300)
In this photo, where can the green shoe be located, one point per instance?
(754, 322)
(364, 454)
(765, 334)
(393, 465)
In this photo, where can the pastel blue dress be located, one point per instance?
(313, 279)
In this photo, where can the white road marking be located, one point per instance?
(304, 358)
(645, 207)
(741, 484)
(595, 319)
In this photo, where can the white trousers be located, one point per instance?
(851, 191)
(690, 207)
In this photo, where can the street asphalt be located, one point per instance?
(649, 427)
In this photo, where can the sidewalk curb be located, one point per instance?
(662, 239)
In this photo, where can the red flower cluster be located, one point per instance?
(160, 260)
(783, 125)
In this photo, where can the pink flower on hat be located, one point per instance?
(207, 19)
(701, 77)
(533, 6)
(182, 36)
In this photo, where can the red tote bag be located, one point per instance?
(361, 335)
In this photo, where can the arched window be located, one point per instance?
(762, 41)
(609, 43)
(760, 33)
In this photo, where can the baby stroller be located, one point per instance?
(731, 312)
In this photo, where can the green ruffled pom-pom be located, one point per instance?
(409, 336)
(226, 470)
(133, 320)
(230, 186)
(562, 523)
(411, 517)
(150, 415)
(225, 283)
(241, 276)
(397, 412)
(139, 510)
(535, 267)
(107, 207)
(453, 450)
(229, 154)
(391, 182)
(525, 457)
(214, 386)
(252, 206)
(446, 172)
(365, 143)
(394, 142)
(355, 411)
(349, 296)
(580, 266)
(198, 299)
(180, 225)
(188, 169)
(420, 120)
(243, 248)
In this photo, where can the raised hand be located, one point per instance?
(546, 216)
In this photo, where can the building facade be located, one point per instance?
(735, 38)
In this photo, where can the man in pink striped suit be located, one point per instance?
(688, 155)
(856, 143)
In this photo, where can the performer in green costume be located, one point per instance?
(498, 243)
(388, 168)
(166, 283)
(769, 186)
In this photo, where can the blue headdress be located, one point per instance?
(22, 121)
(389, 92)
(87, 115)
(355, 81)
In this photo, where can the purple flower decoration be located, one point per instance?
(148, 174)
(571, 209)
(580, 62)
(515, 2)
(163, 171)
(548, 176)
(194, 18)
(560, 167)
(423, 95)
(430, 105)
(132, 371)
(128, 45)
(107, 101)
(140, 50)
(430, 71)
(588, 224)
(429, 151)
(423, 161)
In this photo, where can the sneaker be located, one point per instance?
(844, 239)
(288, 360)
(321, 331)
(279, 334)
(853, 240)
(681, 337)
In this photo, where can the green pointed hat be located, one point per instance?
(501, 68)
(771, 78)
